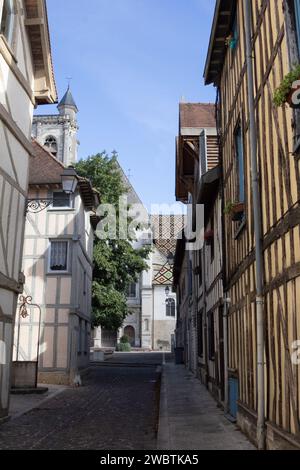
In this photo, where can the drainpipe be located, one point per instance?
(258, 236)
(225, 345)
(205, 318)
(226, 301)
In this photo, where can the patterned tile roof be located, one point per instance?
(165, 276)
(165, 229)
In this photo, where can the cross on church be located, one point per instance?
(69, 79)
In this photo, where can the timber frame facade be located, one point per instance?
(275, 51)
(26, 79)
(198, 276)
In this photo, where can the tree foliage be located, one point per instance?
(116, 263)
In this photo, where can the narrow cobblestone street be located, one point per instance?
(117, 408)
(136, 401)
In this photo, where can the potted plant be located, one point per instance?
(231, 42)
(235, 210)
(284, 93)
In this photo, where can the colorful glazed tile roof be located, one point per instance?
(164, 276)
(166, 229)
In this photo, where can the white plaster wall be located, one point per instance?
(13, 185)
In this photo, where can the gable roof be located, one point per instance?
(45, 170)
(197, 115)
(132, 195)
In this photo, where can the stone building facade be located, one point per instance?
(58, 132)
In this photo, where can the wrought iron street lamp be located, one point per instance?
(69, 180)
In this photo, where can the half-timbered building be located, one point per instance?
(58, 267)
(274, 49)
(198, 271)
(26, 79)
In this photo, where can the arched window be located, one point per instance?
(51, 144)
(7, 19)
(171, 308)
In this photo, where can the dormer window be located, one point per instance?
(7, 19)
(51, 145)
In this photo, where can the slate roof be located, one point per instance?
(68, 100)
(197, 115)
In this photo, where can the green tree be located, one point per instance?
(116, 263)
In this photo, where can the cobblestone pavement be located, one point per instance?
(117, 408)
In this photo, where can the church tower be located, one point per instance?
(58, 132)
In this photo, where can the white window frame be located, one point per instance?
(51, 271)
(173, 300)
(8, 38)
(63, 208)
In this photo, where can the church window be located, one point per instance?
(132, 291)
(170, 308)
(7, 19)
(51, 145)
(146, 324)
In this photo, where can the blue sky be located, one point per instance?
(131, 61)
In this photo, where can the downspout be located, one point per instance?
(205, 318)
(225, 345)
(261, 438)
(226, 301)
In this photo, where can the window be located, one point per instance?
(212, 242)
(79, 337)
(200, 333)
(132, 291)
(61, 200)
(239, 151)
(171, 308)
(211, 336)
(200, 274)
(51, 145)
(146, 323)
(235, 33)
(190, 278)
(59, 256)
(7, 19)
(297, 21)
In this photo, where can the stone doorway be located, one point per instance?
(130, 332)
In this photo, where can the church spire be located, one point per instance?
(67, 104)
